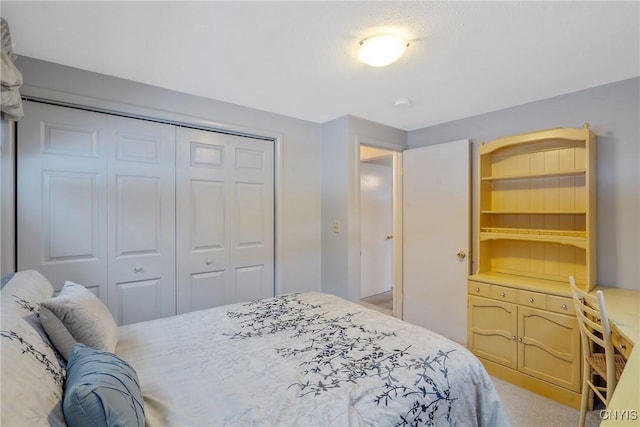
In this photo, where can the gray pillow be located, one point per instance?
(101, 390)
(78, 316)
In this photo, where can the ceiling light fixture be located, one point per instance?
(381, 50)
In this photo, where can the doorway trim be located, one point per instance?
(354, 241)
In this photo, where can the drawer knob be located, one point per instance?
(477, 289)
(622, 346)
(564, 306)
(208, 261)
(531, 300)
(137, 269)
(502, 294)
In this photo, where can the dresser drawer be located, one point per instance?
(621, 344)
(532, 299)
(480, 289)
(504, 294)
(561, 305)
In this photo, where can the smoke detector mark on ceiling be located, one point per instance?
(403, 102)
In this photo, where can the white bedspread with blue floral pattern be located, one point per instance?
(308, 359)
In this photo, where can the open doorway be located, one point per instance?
(377, 229)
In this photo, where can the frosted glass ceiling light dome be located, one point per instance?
(381, 49)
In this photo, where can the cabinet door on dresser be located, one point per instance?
(549, 347)
(492, 330)
(141, 219)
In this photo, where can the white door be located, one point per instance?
(141, 219)
(62, 195)
(96, 205)
(436, 230)
(376, 227)
(224, 188)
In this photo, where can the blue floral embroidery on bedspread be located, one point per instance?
(334, 351)
(55, 371)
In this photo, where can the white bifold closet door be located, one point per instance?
(113, 204)
(62, 196)
(141, 219)
(224, 191)
(96, 205)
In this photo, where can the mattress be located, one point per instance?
(305, 359)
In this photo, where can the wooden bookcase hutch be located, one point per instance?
(537, 227)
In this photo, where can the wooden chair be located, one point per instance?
(597, 348)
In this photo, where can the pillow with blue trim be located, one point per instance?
(101, 390)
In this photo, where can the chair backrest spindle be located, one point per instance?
(597, 347)
(594, 326)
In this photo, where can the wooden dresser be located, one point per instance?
(536, 228)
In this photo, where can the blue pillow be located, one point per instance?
(5, 279)
(101, 390)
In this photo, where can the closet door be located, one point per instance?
(62, 195)
(141, 225)
(224, 190)
(251, 217)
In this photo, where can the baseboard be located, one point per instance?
(543, 388)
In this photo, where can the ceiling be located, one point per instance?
(298, 58)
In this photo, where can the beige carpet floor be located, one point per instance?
(527, 409)
(381, 302)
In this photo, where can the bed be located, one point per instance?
(301, 359)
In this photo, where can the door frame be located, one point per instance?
(7, 197)
(354, 239)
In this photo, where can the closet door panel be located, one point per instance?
(250, 283)
(130, 295)
(70, 216)
(141, 173)
(208, 290)
(138, 207)
(201, 236)
(251, 239)
(207, 234)
(224, 230)
(62, 195)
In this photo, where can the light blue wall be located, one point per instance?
(341, 139)
(613, 113)
(335, 206)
